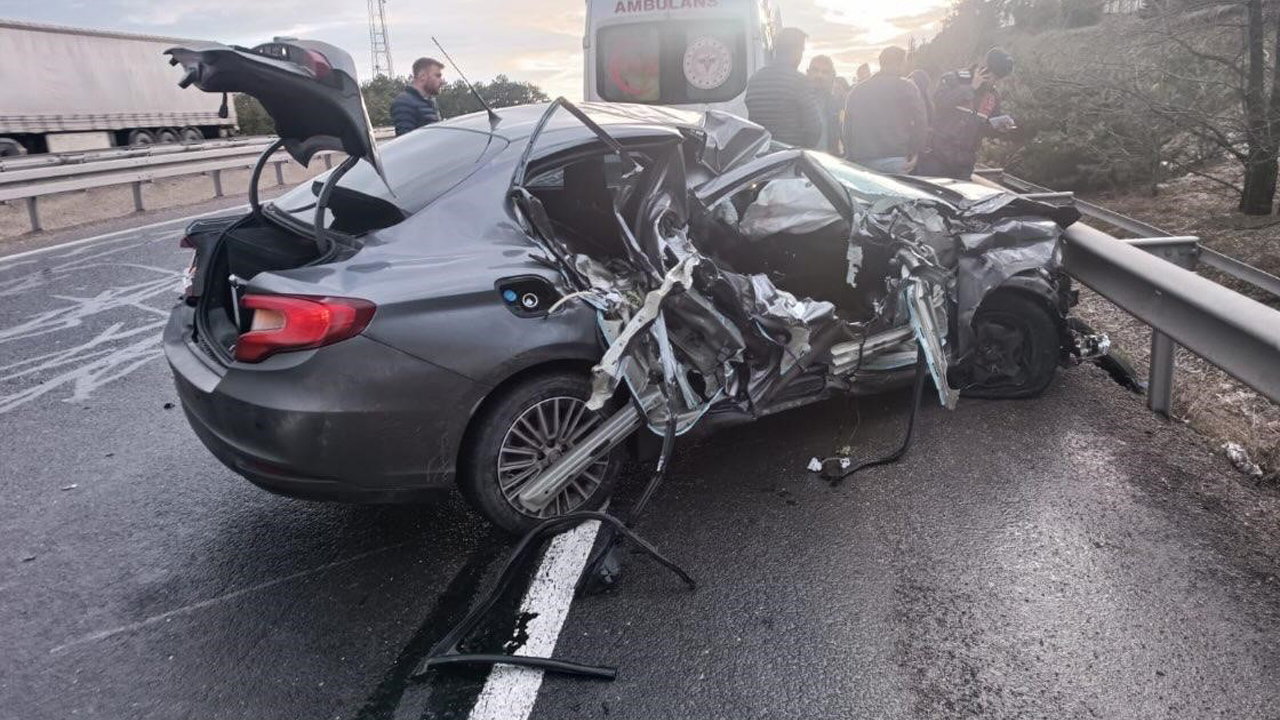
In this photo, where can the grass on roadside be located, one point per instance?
(1210, 401)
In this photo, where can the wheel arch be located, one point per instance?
(1034, 286)
(545, 367)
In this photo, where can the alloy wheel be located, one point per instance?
(538, 437)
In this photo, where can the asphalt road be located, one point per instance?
(1066, 557)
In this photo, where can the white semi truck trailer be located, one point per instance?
(65, 89)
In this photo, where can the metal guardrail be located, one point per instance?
(1225, 263)
(83, 157)
(1152, 278)
(32, 183)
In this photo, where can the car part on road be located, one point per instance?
(445, 652)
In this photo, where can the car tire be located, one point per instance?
(1017, 347)
(504, 431)
(141, 138)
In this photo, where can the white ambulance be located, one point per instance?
(685, 53)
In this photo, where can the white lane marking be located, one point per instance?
(510, 692)
(107, 355)
(117, 233)
(103, 634)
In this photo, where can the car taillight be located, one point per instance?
(317, 63)
(284, 323)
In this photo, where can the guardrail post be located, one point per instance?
(137, 196)
(33, 213)
(1160, 379)
(279, 172)
(1183, 252)
(217, 183)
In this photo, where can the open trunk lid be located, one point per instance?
(308, 88)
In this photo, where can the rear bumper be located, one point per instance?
(357, 421)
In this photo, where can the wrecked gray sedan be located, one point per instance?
(515, 302)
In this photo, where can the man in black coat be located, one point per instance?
(781, 99)
(830, 97)
(415, 106)
(885, 125)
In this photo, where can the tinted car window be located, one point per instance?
(553, 178)
(421, 166)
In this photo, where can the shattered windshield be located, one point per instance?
(865, 184)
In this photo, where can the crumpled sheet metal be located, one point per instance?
(730, 141)
(916, 222)
(771, 301)
(931, 332)
(608, 372)
(1010, 246)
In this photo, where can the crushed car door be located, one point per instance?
(922, 286)
(631, 295)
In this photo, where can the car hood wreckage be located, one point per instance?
(691, 329)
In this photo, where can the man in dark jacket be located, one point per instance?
(830, 97)
(781, 99)
(966, 109)
(885, 126)
(415, 106)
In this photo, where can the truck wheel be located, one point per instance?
(190, 136)
(1016, 348)
(141, 137)
(167, 136)
(521, 433)
(11, 148)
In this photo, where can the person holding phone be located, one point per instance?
(966, 109)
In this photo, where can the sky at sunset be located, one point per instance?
(536, 41)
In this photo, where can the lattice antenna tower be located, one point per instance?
(380, 39)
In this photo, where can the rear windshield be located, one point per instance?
(420, 166)
(672, 63)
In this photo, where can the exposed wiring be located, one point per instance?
(571, 296)
(837, 468)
